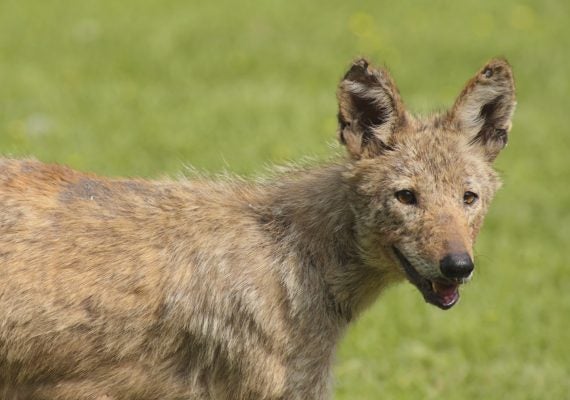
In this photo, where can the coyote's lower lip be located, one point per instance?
(442, 294)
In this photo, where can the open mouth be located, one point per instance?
(441, 293)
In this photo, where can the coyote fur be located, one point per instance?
(234, 289)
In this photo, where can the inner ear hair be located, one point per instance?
(492, 129)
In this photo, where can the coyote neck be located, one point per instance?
(309, 211)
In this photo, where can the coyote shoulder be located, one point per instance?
(229, 289)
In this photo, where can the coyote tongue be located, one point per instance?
(447, 293)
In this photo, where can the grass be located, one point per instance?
(139, 88)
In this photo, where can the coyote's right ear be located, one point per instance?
(370, 110)
(485, 107)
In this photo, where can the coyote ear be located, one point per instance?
(370, 109)
(485, 107)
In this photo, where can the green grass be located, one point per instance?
(142, 87)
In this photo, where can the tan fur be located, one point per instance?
(199, 289)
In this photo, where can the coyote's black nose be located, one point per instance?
(456, 265)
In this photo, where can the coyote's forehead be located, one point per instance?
(435, 159)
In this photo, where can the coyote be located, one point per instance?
(235, 289)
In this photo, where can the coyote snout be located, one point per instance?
(202, 289)
(442, 256)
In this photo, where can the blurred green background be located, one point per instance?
(141, 88)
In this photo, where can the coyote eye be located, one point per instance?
(406, 197)
(469, 198)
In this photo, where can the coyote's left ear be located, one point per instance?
(485, 107)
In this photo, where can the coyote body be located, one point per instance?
(228, 289)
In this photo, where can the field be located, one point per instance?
(143, 88)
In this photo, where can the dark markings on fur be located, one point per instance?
(86, 189)
(90, 308)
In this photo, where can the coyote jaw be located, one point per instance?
(441, 293)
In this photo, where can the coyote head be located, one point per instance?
(420, 187)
